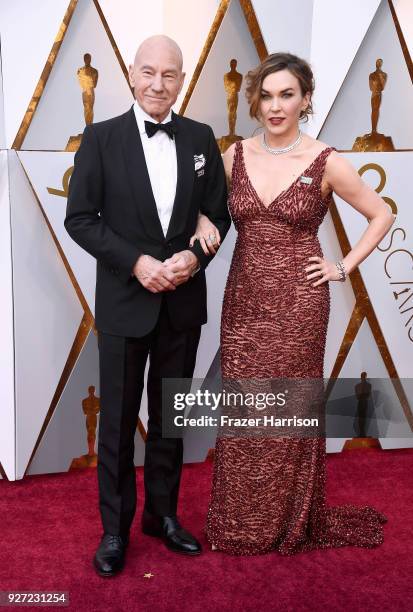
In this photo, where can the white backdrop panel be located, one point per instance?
(342, 298)
(363, 356)
(46, 169)
(28, 29)
(47, 310)
(130, 22)
(47, 313)
(285, 26)
(189, 23)
(338, 28)
(208, 102)
(393, 322)
(350, 114)
(66, 437)
(7, 409)
(404, 10)
(3, 144)
(59, 114)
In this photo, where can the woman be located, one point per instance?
(269, 493)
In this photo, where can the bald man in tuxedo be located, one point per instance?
(139, 183)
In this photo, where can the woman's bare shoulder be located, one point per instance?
(252, 143)
(228, 159)
(248, 144)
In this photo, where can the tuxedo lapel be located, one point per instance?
(185, 179)
(134, 158)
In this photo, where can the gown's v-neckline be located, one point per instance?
(284, 191)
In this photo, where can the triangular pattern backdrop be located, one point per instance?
(59, 113)
(54, 279)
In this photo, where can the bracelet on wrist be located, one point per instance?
(341, 270)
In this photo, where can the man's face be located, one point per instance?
(156, 78)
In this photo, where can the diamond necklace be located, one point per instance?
(283, 149)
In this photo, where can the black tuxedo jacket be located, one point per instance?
(111, 213)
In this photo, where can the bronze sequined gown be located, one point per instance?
(269, 493)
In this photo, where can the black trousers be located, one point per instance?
(122, 363)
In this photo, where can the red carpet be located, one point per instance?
(50, 528)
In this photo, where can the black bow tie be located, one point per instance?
(152, 128)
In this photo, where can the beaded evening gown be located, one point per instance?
(269, 493)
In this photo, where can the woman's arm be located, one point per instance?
(228, 159)
(345, 181)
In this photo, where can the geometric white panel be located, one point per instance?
(2, 124)
(350, 115)
(60, 114)
(143, 20)
(342, 299)
(208, 102)
(399, 442)
(404, 12)
(46, 170)
(286, 26)
(28, 29)
(364, 356)
(338, 28)
(7, 408)
(200, 16)
(66, 437)
(388, 271)
(47, 313)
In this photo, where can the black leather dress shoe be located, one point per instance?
(170, 531)
(110, 556)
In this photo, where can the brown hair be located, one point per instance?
(273, 63)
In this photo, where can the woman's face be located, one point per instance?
(281, 102)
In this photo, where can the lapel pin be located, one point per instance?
(199, 161)
(306, 179)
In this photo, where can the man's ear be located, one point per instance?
(183, 75)
(131, 75)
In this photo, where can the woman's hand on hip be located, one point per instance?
(322, 270)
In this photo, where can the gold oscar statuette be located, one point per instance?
(374, 141)
(363, 393)
(91, 407)
(88, 80)
(232, 84)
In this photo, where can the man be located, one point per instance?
(138, 185)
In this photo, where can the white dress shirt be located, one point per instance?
(160, 157)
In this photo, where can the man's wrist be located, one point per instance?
(196, 263)
(197, 269)
(133, 273)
